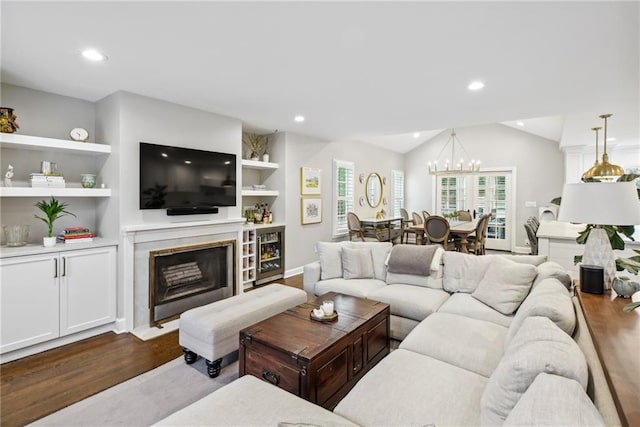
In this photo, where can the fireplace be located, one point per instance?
(185, 277)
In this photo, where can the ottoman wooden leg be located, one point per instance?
(213, 368)
(189, 356)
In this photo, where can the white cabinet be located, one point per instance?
(51, 295)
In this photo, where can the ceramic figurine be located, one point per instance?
(625, 287)
(8, 176)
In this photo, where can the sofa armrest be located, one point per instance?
(311, 275)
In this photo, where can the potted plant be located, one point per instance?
(257, 145)
(52, 210)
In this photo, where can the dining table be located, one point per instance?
(460, 228)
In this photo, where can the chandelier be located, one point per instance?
(589, 173)
(449, 165)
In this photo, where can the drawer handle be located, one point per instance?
(271, 377)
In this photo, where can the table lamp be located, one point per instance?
(600, 203)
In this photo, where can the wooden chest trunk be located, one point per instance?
(317, 361)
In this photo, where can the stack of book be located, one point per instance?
(75, 235)
(41, 180)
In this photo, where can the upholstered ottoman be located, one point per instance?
(211, 331)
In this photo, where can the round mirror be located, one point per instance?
(374, 190)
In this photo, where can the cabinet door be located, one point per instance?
(87, 289)
(28, 301)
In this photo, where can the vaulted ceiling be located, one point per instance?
(370, 71)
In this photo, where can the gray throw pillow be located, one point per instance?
(538, 347)
(330, 254)
(505, 285)
(357, 263)
(552, 400)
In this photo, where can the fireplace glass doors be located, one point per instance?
(186, 277)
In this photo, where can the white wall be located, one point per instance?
(306, 151)
(538, 162)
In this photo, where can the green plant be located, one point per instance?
(53, 210)
(631, 306)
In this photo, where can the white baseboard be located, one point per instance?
(293, 272)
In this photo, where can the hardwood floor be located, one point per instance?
(38, 385)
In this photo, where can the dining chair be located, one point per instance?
(406, 227)
(355, 226)
(436, 229)
(464, 215)
(529, 227)
(475, 244)
(425, 214)
(417, 219)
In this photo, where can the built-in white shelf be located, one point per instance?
(272, 193)
(55, 192)
(256, 164)
(38, 143)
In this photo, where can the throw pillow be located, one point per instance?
(552, 400)
(379, 252)
(330, 254)
(552, 269)
(357, 263)
(463, 272)
(549, 299)
(505, 285)
(539, 347)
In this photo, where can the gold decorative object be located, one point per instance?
(589, 173)
(606, 171)
(8, 120)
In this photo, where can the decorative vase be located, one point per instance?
(16, 235)
(8, 120)
(625, 287)
(265, 157)
(254, 156)
(88, 180)
(49, 241)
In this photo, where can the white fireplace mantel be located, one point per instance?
(161, 233)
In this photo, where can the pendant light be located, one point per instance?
(605, 171)
(589, 173)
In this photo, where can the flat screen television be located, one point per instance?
(185, 180)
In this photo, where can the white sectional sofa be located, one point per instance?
(485, 341)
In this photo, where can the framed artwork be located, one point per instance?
(310, 181)
(310, 210)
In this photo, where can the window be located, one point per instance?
(452, 194)
(342, 196)
(398, 192)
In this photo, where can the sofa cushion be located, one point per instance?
(413, 302)
(549, 299)
(552, 269)
(354, 287)
(505, 285)
(475, 345)
(330, 254)
(463, 272)
(269, 405)
(552, 400)
(468, 306)
(379, 253)
(408, 388)
(539, 346)
(357, 263)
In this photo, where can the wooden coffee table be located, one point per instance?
(317, 361)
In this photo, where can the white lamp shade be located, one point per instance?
(600, 203)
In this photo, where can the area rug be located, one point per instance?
(145, 399)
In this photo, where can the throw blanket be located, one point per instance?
(411, 259)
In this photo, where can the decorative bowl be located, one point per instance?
(88, 180)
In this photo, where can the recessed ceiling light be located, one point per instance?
(475, 85)
(94, 55)
(416, 135)
(299, 118)
(520, 124)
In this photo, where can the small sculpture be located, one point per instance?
(8, 176)
(625, 287)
